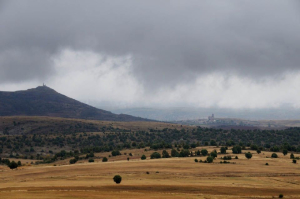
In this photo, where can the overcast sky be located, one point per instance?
(209, 53)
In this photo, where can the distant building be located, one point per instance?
(211, 118)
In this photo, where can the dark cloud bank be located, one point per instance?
(170, 41)
(228, 54)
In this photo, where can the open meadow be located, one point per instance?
(166, 177)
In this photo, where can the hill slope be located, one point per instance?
(44, 101)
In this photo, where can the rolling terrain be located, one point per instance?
(156, 178)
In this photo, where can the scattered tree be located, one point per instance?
(284, 151)
(155, 155)
(165, 154)
(204, 152)
(223, 150)
(248, 155)
(117, 179)
(210, 159)
(104, 159)
(143, 157)
(274, 155)
(13, 165)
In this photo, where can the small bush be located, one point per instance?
(228, 157)
(248, 155)
(73, 161)
(91, 160)
(210, 159)
(236, 157)
(204, 152)
(274, 155)
(155, 155)
(267, 164)
(294, 161)
(147, 172)
(165, 154)
(13, 165)
(115, 153)
(104, 159)
(127, 159)
(214, 154)
(280, 195)
(292, 156)
(143, 157)
(196, 160)
(117, 179)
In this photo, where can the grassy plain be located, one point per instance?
(167, 178)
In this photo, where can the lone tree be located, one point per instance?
(292, 156)
(117, 179)
(237, 149)
(13, 165)
(165, 154)
(223, 150)
(248, 155)
(210, 159)
(104, 159)
(285, 151)
(214, 154)
(174, 153)
(143, 157)
(155, 155)
(258, 151)
(204, 152)
(274, 155)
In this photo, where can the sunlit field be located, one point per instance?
(156, 178)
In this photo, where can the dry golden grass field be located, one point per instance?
(167, 178)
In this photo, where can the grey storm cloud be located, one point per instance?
(170, 41)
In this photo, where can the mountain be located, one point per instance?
(44, 101)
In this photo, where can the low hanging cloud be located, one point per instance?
(233, 54)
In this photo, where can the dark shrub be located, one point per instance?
(294, 161)
(274, 155)
(73, 161)
(165, 154)
(174, 153)
(13, 165)
(248, 155)
(280, 195)
(184, 153)
(196, 160)
(267, 164)
(292, 156)
(258, 151)
(117, 179)
(214, 154)
(115, 153)
(204, 152)
(104, 159)
(155, 155)
(91, 160)
(237, 149)
(210, 159)
(227, 157)
(285, 151)
(223, 150)
(236, 157)
(143, 157)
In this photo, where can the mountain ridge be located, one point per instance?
(45, 101)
